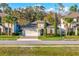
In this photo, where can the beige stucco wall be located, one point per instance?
(40, 26)
(1, 28)
(10, 26)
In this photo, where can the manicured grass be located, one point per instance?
(39, 51)
(6, 37)
(75, 38)
(50, 37)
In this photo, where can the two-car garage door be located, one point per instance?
(31, 32)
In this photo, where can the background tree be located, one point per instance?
(61, 10)
(56, 19)
(41, 15)
(73, 8)
(3, 6)
(50, 19)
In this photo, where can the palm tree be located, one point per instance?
(40, 15)
(61, 8)
(8, 20)
(69, 21)
(8, 10)
(74, 8)
(56, 18)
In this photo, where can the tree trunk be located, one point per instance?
(55, 24)
(45, 28)
(45, 31)
(11, 29)
(8, 29)
(66, 32)
(76, 31)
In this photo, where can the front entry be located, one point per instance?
(41, 32)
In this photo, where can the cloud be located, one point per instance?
(66, 9)
(50, 9)
(37, 5)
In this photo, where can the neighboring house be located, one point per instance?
(35, 29)
(1, 25)
(16, 27)
(75, 23)
(13, 28)
(1, 29)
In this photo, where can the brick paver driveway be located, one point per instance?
(28, 38)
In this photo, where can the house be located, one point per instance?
(1, 25)
(4, 26)
(75, 23)
(35, 29)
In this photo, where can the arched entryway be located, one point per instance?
(42, 32)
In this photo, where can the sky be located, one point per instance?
(48, 6)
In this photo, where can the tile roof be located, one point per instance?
(72, 15)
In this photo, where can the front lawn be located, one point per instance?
(75, 38)
(39, 51)
(50, 37)
(6, 37)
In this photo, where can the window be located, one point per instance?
(6, 30)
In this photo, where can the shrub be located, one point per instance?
(18, 33)
(3, 33)
(71, 33)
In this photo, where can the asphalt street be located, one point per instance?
(39, 42)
